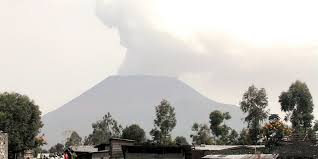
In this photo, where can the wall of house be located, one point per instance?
(153, 156)
(116, 149)
(3, 146)
(99, 155)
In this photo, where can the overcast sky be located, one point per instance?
(53, 50)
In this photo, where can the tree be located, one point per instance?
(103, 130)
(21, 119)
(74, 139)
(274, 131)
(244, 138)
(254, 103)
(180, 140)
(233, 138)
(164, 123)
(201, 134)
(224, 135)
(297, 102)
(57, 149)
(134, 132)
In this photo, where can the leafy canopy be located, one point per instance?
(164, 123)
(254, 103)
(201, 134)
(74, 139)
(21, 119)
(103, 130)
(297, 102)
(134, 132)
(180, 140)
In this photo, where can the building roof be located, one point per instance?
(224, 147)
(120, 139)
(157, 149)
(242, 156)
(88, 149)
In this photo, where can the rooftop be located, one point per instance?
(242, 156)
(224, 147)
(88, 149)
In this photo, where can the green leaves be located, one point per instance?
(254, 103)
(164, 123)
(103, 130)
(21, 119)
(298, 101)
(74, 139)
(134, 132)
(201, 134)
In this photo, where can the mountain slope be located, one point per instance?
(132, 99)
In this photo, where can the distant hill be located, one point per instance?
(132, 99)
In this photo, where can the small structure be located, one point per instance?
(3, 145)
(200, 151)
(114, 147)
(83, 152)
(156, 152)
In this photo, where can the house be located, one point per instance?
(199, 151)
(156, 152)
(83, 152)
(111, 150)
(115, 147)
(3, 145)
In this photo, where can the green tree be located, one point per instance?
(74, 139)
(180, 140)
(254, 103)
(103, 130)
(201, 134)
(164, 123)
(224, 135)
(274, 131)
(21, 119)
(134, 132)
(297, 102)
(233, 138)
(244, 138)
(57, 149)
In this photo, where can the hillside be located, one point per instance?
(132, 99)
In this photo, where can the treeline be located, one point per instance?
(20, 117)
(263, 127)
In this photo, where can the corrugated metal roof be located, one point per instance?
(84, 149)
(243, 156)
(223, 147)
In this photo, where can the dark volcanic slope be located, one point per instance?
(132, 99)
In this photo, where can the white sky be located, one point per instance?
(53, 50)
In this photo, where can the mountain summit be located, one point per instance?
(132, 99)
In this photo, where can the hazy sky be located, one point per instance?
(53, 50)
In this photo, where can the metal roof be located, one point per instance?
(88, 149)
(223, 147)
(242, 156)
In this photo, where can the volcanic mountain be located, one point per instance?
(132, 99)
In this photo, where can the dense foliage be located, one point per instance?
(297, 102)
(201, 134)
(74, 139)
(180, 140)
(103, 130)
(21, 119)
(57, 149)
(275, 131)
(224, 135)
(254, 103)
(164, 123)
(134, 132)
